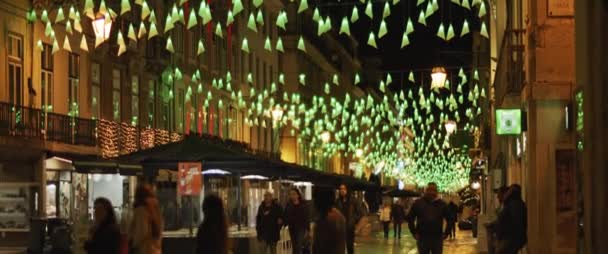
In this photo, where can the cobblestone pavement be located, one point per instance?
(376, 244)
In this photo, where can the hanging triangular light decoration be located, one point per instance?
(450, 33)
(83, 44)
(411, 79)
(68, 27)
(153, 32)
(207, 17)
(303, 6)
(152, 16)
(327, 88)
(357, 79)
(465, 28)
(131, 33)
(345, 27)
(435, 5)
(229, 18)
(88, 11)
(482, 10)
(336, 80)
(327, 24)
(441, 31)
(245, 45)
(456, 2)
(302, 79)
(55, 46)
(282, 79)
(237, 7)
(267, 45)
(219, 31)
(251, 23)
(354, 15)
(260, 18)
(257, 3)
(281, 20)
(301, 45)
(476, 2)
(429, 9)
(122, 47)
(369, 11)
(145, 10)
(103, 10)
(60, 16)
(66, 44)
(387, 10)
(409, 26)
(372, 40)
(125, 6)
(405, 40)
(383, 30)
(169, 45)
(168, 24)
(465, 4)
(422, 18)
(279, 46)
(191, 20)
(315, 15)
(420, 2)
(484, 30)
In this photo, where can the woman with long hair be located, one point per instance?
(212, 235)
(330, 227)
(146, 227)
(297, 218)
(105, 235)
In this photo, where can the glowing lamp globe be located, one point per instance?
(102, 28)
(476, 185)
(450, 127)
(325, 136)
(277, 113)
(438, 76)
(359, 153)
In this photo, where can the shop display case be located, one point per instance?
(15, 208)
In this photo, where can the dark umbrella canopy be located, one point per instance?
(401, 193)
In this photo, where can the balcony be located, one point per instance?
(22, 121)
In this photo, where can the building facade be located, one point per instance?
(533, 70)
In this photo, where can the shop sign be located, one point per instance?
(560, 8)
(190, 178)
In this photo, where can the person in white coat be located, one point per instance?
(385, 218)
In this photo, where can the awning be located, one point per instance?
(91, 164)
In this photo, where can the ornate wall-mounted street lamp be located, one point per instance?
(277, 113)
(450, 127)
(438, 76)
(325, 136)
(102, 27)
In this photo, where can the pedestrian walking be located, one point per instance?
(145, 234)
(491, 226)
(512, 224)
(330, 227)
(269, 221)
(453, 212)
(398, 217)
(297, 218)
(212, 235)
(104, 237)
(426, 220)
(385, 218)
(352, 211)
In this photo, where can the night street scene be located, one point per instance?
(303, 126)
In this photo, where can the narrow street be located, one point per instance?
(376, 244)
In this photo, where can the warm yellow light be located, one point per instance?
(450, 127)
(359, 153)
(438, 76)
(102, 28)
(277, 113)
(476, 185)
(325, 136)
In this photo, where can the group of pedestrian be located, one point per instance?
(144, 231)
(396, 215)
(334, 230)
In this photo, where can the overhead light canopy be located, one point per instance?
(438, 76)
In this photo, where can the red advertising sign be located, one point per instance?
(190, 179)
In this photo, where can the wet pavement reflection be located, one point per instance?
(376, 244)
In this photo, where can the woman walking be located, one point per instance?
(105, 234)
(146, 227)
(298, 219)
(385, 218)
(330, 227)
(212, 235)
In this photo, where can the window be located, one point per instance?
(193, 43)
(46, 79)
(180, 110)
(15, 68)
(134, 100)
(178, 38)
(95, 90)
(116, 76)
(74, 79)
(151, 102)
(242, 63)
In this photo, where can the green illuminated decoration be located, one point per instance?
(508, 121)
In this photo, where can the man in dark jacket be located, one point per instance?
(426, 221)
(353, 212)
(512, 223)
(398, 217)
(268, 224)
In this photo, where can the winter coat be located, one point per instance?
(352, 211)
(512, 223)
(385, 214)
(330, 234)
(106, 239)
(267, 222)
(398, 214)
(297, 217)
(426, 218)
(141, 236)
